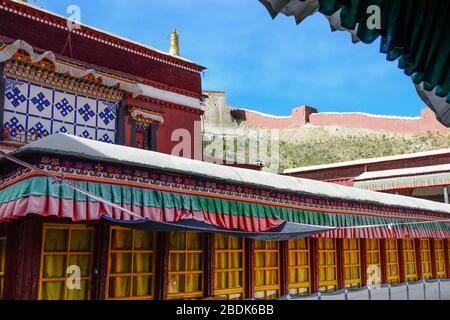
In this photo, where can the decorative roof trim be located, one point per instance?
(31, 12)
(7, 52)
(145, 117)
(74, 146)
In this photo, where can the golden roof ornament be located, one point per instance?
(174, 43)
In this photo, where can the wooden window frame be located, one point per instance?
(266, 288)
(301, 285)
(188, 295)
(228, 251)
(429, 261)
(131, 274)
(371, 253)
(447, 254)
(3, 238)
(407, 262)
(327, 283)
(352, 283)
(439, 251)
(67, 254)
(392, 279)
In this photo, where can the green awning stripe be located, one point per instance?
(122, 195)
(374, 184)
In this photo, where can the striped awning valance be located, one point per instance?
(431, 176)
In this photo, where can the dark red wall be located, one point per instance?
(345, 175)
(180, 119)
(44, 36)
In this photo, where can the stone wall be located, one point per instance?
(423, 124)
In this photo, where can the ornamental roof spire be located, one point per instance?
(174, 43)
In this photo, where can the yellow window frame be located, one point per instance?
(185, 273)
(324, 285)
(448, 253)
(392, 261)
(439, 251)
(373, 259)
(300, 248)
(409, 257)
(132, 274)
(267, 251)
(230, 292)
(3, 239)
(352, 262)
(67, 253)
(425, 257)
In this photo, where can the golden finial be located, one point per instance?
(174, 43)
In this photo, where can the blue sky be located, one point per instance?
(268, 65)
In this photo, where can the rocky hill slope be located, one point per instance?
(305, 146)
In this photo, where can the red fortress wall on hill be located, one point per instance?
(423, 124)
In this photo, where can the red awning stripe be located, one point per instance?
(93, 211)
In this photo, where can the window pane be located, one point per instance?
(80, 240)
(54, 267)
(122, 239)
(236, 260)
(2, 255)
(56, 240)
(221, 280)
(136, 263)
(143, 240)
(177, 262)
(119, 287)
(121, 263)
(235, 279)
(64, 246)
(53, 291)
(193, 241)
(221, 242)
(186, 266)
(143, 263)
(81, 261)
(79, 294)
(193, 283)
(236, 243)
(221, 261)
(176, 283)
(177, 241)
(142, 286)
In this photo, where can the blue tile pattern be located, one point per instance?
(40, 101)
(33, 107)
(15, 97)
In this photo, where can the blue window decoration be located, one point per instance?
(107, 116)
(105, 138)
(86, 112)
(15, 97)
(41, 102)
(39, 128)
(86, 134)
(15, 126)
(64, 107)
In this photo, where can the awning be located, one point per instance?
(285, 231)
(420, 177)
(166, 189)
(416, 33)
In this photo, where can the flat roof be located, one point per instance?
(403, 172)
(69, 145)
(367, 161)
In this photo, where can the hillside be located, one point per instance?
(308, 145)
